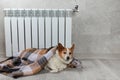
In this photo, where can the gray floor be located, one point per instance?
(94, 69)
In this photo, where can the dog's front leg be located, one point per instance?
(60, 69)
(54, 70)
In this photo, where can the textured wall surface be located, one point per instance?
(96, 28)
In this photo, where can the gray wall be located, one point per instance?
(96, 28)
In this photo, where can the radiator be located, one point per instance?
(36, 28)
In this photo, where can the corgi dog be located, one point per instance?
(32, 60)
(61, 59)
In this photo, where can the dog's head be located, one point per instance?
(66, 54)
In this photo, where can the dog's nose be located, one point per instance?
(68, 58)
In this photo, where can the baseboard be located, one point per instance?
(97, 56)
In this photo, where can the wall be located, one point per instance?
(96, 28)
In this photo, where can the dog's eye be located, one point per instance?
(64, 52)
(70, 53)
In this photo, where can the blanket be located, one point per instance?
(30, 61)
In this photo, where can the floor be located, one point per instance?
(94, 69)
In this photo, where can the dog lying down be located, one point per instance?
(31, 61)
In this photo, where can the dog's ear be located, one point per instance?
(60, 47)
(72, 48)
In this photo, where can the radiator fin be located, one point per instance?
(36, 28)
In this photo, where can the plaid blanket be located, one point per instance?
(30, 61)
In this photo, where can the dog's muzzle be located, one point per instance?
(68, 58)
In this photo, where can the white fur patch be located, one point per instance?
(56, 63)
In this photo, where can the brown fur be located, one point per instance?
(62, 49)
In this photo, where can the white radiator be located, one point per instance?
(36, 28)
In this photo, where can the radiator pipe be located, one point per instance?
(76, 8)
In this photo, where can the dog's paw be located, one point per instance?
(61, 69)
(53, 71)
